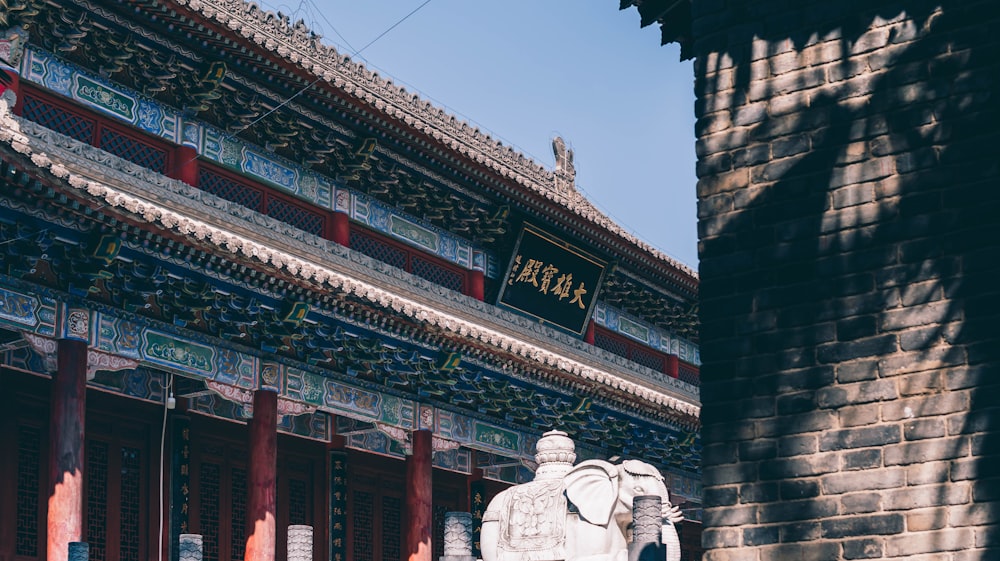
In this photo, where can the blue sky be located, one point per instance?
(528, 70)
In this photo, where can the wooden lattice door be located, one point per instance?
(219, 494)
(116, 497)
(376, 504)
(219, 497)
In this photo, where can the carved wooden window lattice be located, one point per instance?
(237, 541)
(297, 216)
(209, 511)
(97, 499)
(438, 531)
(364, 525)
(649, 358)
(58, 119)
(611, 344)
(437, 274)
(230, 190)
(640, 354)
(133, 150)
(115, 493)
(29, 440)
(392, 513)
(689, 374)
(408, 260)
(100, 132)
(130, 524)
(378, 249)
(244, 193)
(298, 502)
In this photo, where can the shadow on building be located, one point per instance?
(848, 201)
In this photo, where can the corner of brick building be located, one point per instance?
(849, 227)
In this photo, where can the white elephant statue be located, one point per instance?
(581, 515)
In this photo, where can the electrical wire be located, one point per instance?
(311, 84)
(393, 26)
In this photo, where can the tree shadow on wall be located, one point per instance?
(862, 263)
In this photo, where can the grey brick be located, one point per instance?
(799, 489)
(860, 348)
(813, 551)
(799, 466)
(926, 496)
(862, 437)
(757, 450)
(866, 480)
(730, 516)
(860, 503)
(726, 474)
(797, 445)
(720, 537)
(761, 535)
(855, 394)
(923, 429)
(910, 544)
(760, 492)
(925, 451)
(808, 509)
(865, 548)
(799, 531)
(861, 459)
(925, 406)
(796, 424)
(863, 525)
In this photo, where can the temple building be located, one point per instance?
(247, 284)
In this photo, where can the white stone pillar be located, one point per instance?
(457, 537)
(300, 542)
(191, 547)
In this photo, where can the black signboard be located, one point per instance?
(552, 280)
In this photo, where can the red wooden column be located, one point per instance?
(419, 510)
(673, 366)
(262, 477)
(341, 233)
(67, 409)
(477, 285)
(185, 165)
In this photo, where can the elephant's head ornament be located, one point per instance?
(600, 490)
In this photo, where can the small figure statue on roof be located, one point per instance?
(565, 172)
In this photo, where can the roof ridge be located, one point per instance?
(296, 43)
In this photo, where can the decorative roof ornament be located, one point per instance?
(565, 175)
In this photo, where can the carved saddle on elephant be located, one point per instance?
(536, 529)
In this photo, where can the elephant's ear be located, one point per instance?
(592, 486)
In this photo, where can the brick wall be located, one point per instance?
(849, 220)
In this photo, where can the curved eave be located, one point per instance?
(674, 17)
(312, 270)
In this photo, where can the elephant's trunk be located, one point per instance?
(671, 541)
